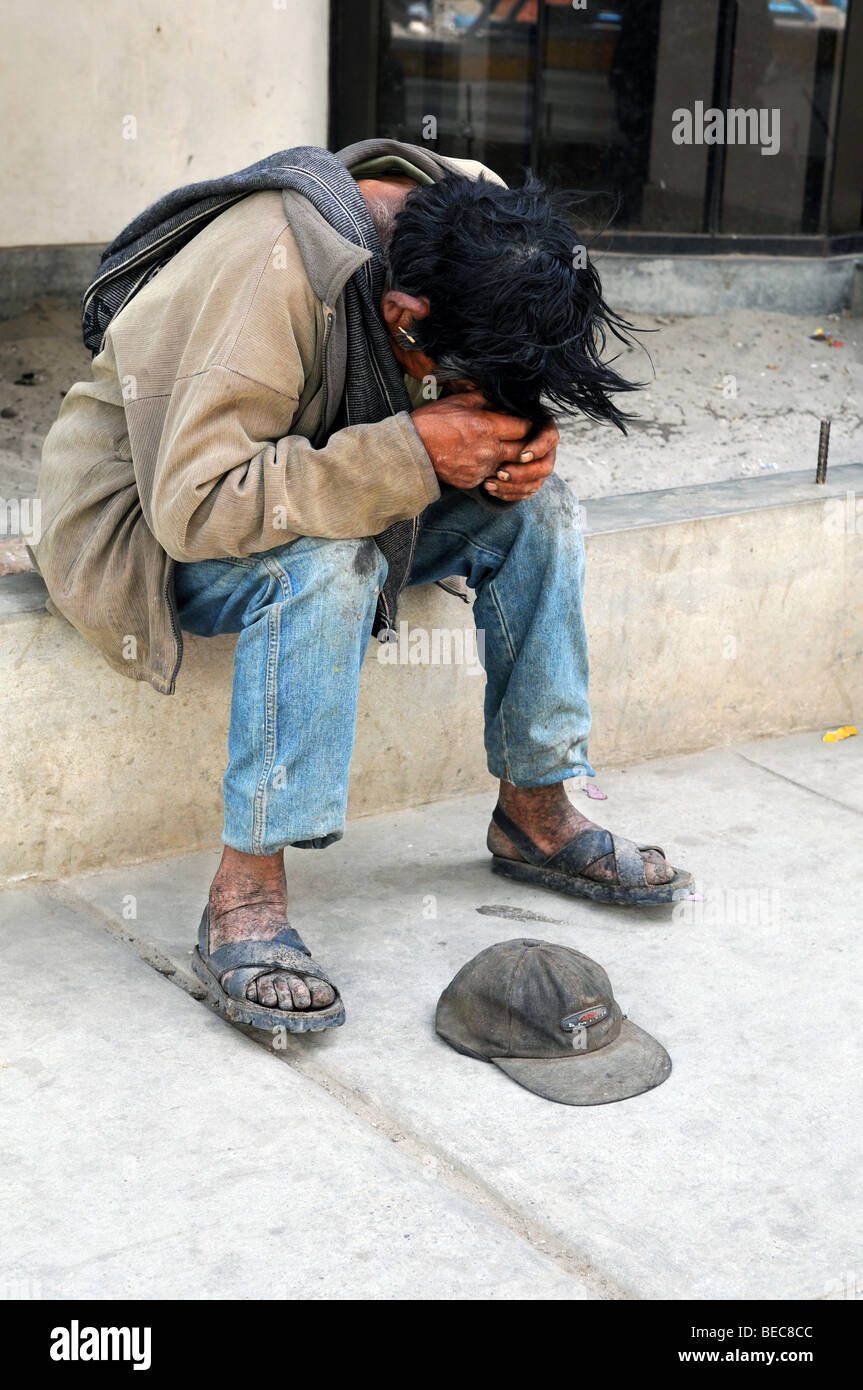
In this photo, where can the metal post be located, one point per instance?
(538, 94)
(723, 66)
(823, 446)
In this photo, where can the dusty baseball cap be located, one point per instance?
(546, 1015)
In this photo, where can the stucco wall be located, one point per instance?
(209, 86)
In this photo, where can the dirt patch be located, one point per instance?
(734, 394)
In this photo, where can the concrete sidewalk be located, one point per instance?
(152, 1150)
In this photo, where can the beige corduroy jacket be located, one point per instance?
(205, 431)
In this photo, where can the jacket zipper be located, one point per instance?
(178, 636)
(327, 331)
(383, 636)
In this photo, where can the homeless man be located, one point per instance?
(257, 454)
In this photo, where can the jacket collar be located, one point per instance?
(434, 165)
(330, 259)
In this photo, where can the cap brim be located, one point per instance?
(633, 1063)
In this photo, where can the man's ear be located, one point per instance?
(401, 310)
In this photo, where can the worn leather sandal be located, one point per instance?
(248, 960)
(564, 870)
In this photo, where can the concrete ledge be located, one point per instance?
(29, 272)
(714, 284)
(21, 593)
(103, 770)
(733, 497)
(705, 628)
(743, 622)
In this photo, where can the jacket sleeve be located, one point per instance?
(232, 480)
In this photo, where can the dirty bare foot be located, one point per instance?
(548, 816)
(248, 901)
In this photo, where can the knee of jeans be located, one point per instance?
(554, 507)
(356, 567)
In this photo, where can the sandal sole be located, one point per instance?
(680, 886)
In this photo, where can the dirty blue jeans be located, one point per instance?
(304, 615)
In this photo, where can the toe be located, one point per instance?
(267, 992)
(322, 993)
(657, 869)
(300, 992)
(252, 992)
(283, 992)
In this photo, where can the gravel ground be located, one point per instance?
(738, 393)
(735, 394)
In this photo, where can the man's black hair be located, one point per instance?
(516, 306)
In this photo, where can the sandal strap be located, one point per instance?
(629, 863)
(290, 937)
(581, 852)
(523, 843)
(236, 953)
(249, 960)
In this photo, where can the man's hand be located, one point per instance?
(525, 478)
(469, 445)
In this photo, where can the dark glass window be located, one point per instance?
(623, 98)
(786, 60)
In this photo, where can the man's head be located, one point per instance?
(490, 285)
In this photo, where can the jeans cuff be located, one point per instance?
(318, 842)
(544, 779)
(247, 847)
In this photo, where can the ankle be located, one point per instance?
(247, 880)
(532, 800)
(546, 814)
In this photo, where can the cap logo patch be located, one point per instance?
(584, 1018)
